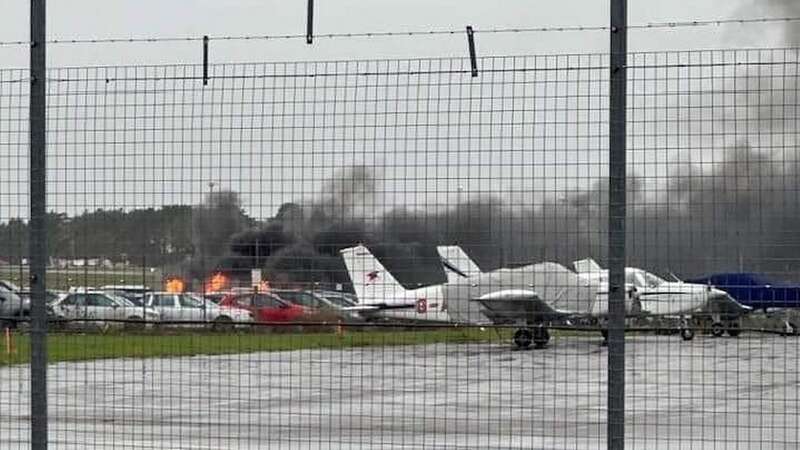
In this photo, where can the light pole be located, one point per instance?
(211, 185)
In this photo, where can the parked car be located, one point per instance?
(213, 297)
(50, 296)
(339, 306)
(265, 307)
(136, 299)
(99, 306)
(342, 299)
(189, 308)
(134, 293)
(9, 286)
(11, 308)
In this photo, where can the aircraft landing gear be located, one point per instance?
(523, 338)
(540, 336)
(687, 333)
(733, 328)
(790, 329)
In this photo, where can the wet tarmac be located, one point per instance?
(706, 394)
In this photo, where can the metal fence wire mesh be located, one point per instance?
(359, 254)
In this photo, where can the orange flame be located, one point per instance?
(216, 283)
(174, 286)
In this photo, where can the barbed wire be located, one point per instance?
(411, 33)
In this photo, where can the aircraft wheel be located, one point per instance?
(604, 333)
(541, 337)
(523, 338)
(733, 329)
(687, 334)
(717, 329)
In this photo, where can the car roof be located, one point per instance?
(127, 287)
(169, 293)
(88, 291)
(248, 294)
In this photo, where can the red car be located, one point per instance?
(265, 307)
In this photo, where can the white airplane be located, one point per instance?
(457, 263)
(532, 296)
(656, 296)
(375, 286)
(664, 298)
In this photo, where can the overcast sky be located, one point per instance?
(146, 18)
(90, 169)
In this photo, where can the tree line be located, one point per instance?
(148, 237)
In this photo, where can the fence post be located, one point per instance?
(38, 233)
(617, 120)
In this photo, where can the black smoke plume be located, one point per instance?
(300, 245)
(219, 217)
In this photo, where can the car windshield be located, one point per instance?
(190, 301)
(299, 298)
(9, 286)
(120, 300)
(267, 301)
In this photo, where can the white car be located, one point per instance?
(12, 307)
(99, 306)
(189, 308)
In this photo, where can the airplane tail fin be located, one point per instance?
(587, 265)
(457, 264)
(371, 281)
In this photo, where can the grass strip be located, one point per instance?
(92, 346)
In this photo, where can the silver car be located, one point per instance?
(176, 308)
(11, 308)
(102, 309)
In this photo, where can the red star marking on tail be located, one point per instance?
(372, 276)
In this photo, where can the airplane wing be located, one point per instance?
(587, 265)
(375, 307)
(517, 306)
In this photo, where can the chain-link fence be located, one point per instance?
(356, 254)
